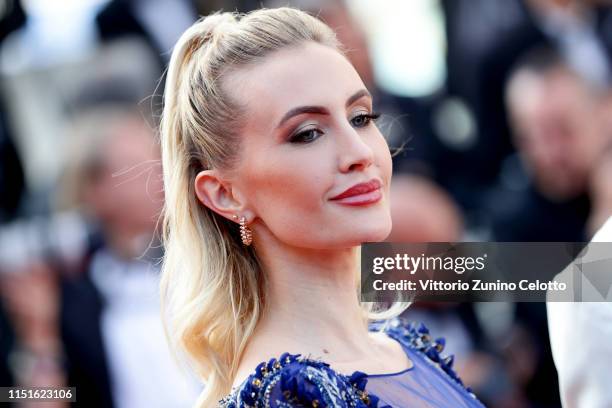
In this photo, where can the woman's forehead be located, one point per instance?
(310, 74)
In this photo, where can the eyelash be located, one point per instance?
(299, 137)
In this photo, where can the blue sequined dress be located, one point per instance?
(296, 381)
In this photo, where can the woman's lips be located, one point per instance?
(360, 194)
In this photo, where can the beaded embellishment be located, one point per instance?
(303, 381)
(294, 380)
(416, 336)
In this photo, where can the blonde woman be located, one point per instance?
(274, 173)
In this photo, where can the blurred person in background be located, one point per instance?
(158, 23)
(111, 325)
(558, 121)
(31, 297)
(112, 177)
(486, 39)
(423, 212)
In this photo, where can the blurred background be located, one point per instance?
(500, 110)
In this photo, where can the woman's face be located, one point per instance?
(308, 138)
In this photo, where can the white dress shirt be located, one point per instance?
(581, 340)
(142, 371)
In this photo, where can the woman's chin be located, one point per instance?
(352, 237)
(375, 232)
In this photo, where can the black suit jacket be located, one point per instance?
(6, 344)
(87, 366)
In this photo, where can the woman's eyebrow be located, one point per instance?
(302, 109)
(319, 109)
(357, 95)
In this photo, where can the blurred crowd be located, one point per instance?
(516, 145)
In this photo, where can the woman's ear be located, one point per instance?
(216, 194)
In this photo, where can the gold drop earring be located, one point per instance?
(245, 232)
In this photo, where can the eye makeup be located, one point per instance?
(311, 132)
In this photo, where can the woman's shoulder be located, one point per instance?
(294, 380)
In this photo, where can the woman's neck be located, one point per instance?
(312, 306)
(314, 290)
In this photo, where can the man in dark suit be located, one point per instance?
(486, 39)
(115, 349)
(557, 116)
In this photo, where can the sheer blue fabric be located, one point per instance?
(294, 381)
(423, 385)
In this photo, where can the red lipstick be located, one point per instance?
(360, 194)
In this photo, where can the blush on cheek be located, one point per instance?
(290, 179)
(287, 195)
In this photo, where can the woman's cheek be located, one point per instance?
(277, 191)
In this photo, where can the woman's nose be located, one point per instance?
(353, 151)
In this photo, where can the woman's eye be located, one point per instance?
(306, 136)
(364, 119)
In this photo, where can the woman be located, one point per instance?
(274, 174)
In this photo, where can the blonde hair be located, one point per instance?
(213, 288)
